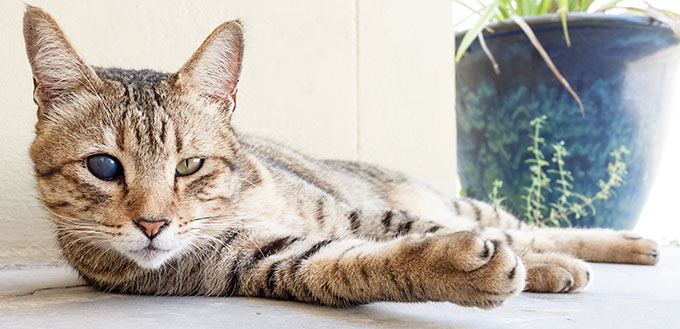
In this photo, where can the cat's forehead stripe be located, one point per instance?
(142, 107)
(139, 78)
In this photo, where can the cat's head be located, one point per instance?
(129, 162)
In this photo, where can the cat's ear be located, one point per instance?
(58, 71)
(213, 70)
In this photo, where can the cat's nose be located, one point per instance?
(151, 226)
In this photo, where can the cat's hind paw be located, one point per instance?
(635, 249)
(556, 273)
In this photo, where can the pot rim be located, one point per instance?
(576, 19)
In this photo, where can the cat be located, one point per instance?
(152, 191)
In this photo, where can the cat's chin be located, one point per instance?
(150, 258)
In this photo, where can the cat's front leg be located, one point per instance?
(462, 268)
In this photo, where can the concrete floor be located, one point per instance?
(621, 296)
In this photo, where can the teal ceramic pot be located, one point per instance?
(623, 69)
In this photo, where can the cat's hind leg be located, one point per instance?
(594, 245)
(555, 272)
(552, 256)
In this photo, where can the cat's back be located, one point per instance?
(355, 183)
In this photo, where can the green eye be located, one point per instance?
(188, 166)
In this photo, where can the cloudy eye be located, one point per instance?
(188, 166)
(104, 166)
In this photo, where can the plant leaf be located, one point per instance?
(563, 9)
(488, 53)
(663, 17)
(544, 6)
(532, 37)
(583, 6)
(473, 32)
(609, 5)
(504, 12)
(465, 5)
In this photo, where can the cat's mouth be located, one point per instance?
(150, 257)
(150, 251)
(150, 248)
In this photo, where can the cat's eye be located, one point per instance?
(104, 166)
(188, 166)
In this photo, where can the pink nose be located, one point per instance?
(151, 227)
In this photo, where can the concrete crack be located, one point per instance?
(30, 293)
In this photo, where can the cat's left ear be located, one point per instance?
(214, 69)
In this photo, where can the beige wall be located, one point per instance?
(362, 80)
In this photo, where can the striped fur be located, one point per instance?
(259, 219)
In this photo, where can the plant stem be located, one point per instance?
(537, 155)
(616, 171)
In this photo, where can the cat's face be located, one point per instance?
(136, 163)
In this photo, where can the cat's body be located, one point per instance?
(184, 205)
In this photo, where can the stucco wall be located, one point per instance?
(362, 80)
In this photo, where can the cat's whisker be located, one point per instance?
(245, 180)
(204, 218)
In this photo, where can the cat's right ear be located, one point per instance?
(58, 72)
(213, 70)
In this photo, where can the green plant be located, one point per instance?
(494, 196)
(569, 204)
(499, 10)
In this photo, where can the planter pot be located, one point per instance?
(622, 67)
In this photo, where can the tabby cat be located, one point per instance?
(152, 191)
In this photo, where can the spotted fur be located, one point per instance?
(259, 219)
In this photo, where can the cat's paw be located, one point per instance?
(607, 246)
(464, 251)
(479, 272)
(634, 249)
(556, 273)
